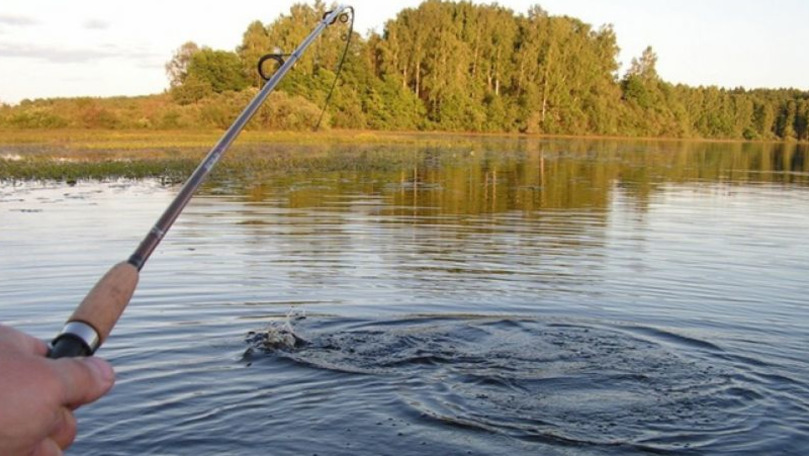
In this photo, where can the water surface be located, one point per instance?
(504, 297)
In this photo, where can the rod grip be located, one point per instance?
(97, 314)
(66, 345)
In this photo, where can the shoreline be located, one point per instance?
(136, 139)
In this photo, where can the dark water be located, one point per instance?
(509, 297)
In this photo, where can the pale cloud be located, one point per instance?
(95, 24)
(18, 21)
(52, 54)
(73, 55)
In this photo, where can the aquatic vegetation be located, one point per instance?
(76, 140)
(76, 155)
(416, 167)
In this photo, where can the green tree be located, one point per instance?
(640, 82)
(763, 119)
(177, 67)
(192, 90)
(785, 125)
(221, 69)
(645, 67)
(255, 44)
(654, 107)
(802, 120)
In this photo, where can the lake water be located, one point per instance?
(498, 297)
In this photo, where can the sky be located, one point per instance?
(57, 48)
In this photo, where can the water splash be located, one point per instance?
(277, 335)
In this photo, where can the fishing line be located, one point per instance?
(343, 18)
(279, 57)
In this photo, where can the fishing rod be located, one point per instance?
(93, 320)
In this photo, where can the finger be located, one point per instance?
(65, 431)
(22, 341)
(47, 448)
(83, 380)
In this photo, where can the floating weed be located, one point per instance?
(70, 155)
(173, 163)
(63, 169)
(183, 139)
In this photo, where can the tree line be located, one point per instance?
(443, 66)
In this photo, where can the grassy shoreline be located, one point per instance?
(140, 139)
(89, 139)
(72, 155)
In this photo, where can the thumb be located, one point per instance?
(83, 380)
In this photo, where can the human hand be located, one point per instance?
(38, 395)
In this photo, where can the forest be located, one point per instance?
(442, 66)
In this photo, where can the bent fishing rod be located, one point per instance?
(93, 320)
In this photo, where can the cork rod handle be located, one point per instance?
(93, 320)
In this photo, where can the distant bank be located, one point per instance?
(443, 66)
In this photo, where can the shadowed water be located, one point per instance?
(498, 297)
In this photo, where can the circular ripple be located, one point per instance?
(559, 383)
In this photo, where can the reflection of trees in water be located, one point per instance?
(501, 175)
(488, 214)
(366, 250)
